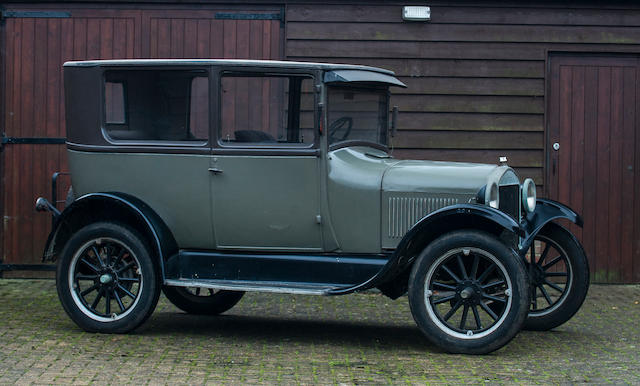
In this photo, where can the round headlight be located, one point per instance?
(529, 195)
(492, 197)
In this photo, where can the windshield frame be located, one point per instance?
(362, 87)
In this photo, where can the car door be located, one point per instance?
(264, 168)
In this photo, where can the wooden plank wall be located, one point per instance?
(593, 114)
(33, 54)
(476, 75)
(35, 49)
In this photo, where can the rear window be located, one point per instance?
(152, 105)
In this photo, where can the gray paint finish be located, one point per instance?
(374, 199)
(436, 177)
(354, 180)
(266, 202)
(176, 186)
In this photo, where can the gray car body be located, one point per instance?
(366, 203)
(328, 202)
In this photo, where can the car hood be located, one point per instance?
(414, 176)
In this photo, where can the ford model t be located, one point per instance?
(208, 178)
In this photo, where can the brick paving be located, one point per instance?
(269, 338)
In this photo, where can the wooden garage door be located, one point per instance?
(594, 105)
(37, 42)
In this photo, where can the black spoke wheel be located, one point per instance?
(202, 301)
(106, 280)
(559, 275)
(468, 292)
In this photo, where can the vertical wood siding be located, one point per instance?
(36, 48)
(594, 117)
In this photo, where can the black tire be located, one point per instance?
(559, 278)
(203, 301)
(106, 279)
(463, 272)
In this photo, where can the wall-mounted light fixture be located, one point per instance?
(416, 13)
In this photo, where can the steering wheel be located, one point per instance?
(339, 124)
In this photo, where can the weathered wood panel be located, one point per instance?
(470, 121)
(468, 140)
(35, 49)
(472, 86)
(441, 50)
(197, 34)
(429, 32)
(593, 117)
(469, 103)
(447, 14)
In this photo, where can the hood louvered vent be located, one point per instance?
(404, 212)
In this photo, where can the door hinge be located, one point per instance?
(251, 16)
(6, 14)
(33, 140)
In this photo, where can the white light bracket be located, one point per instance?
(416, 13)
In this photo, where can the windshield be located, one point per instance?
(357, 114)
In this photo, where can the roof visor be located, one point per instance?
(361, 77)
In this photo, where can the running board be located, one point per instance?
(313, 273)
(256, 286)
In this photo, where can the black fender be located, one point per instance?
(113, 206)
(430, 227)
(546, 211)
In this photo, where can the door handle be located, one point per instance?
(215, 170)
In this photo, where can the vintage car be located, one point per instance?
(209, 178)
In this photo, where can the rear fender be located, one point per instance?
(119, 207)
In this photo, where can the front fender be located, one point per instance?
(111, 206)
(435, 224)
(546, 211)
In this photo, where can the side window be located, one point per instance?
(157, 105)
(267, 110)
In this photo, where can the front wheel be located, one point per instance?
(106, 280)
(559, 274)
(202, 301)
(468, 292)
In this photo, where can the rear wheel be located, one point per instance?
(559, 275)
(202, 301)
(106, 280)
(468, 292)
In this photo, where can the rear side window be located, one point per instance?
(152, 105)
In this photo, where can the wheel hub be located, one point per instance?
(466, 293)
(469, 292)
(106, 278)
